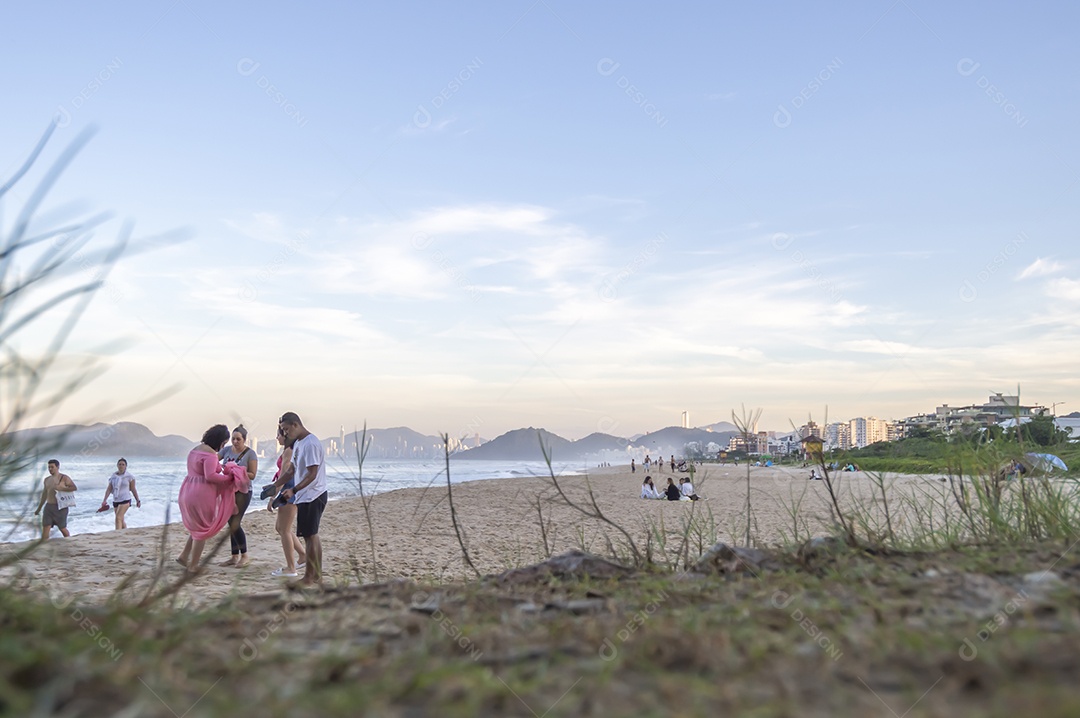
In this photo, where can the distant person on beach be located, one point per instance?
(238, 452)
(647, 463)
(308, 470)
(206, 496)
(672, 492)
(632, 467)
(648, 490)
(122, 487)
(673, 463)
(286, 515)
(54, 515)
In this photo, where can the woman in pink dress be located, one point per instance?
(207, 495)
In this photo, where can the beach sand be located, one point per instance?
(414, 537)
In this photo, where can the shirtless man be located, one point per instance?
(54, 516)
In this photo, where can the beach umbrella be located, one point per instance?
(1047, 462)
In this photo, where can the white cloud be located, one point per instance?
(1040, 268)
(1064, 288)
(880, 346)
(266, 227)
(481, 218)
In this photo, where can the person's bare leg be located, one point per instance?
(45, 531)
(313, 570)
(196, 556)
(121, 510)
(285, 517)
(66, 533)
(185, 556)
(301, 552)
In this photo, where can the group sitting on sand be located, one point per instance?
(683, 492)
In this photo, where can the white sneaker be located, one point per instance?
(283, 572)
(301, 565)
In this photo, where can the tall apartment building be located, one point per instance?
(810, 428)
(838, 435)
(866, 431)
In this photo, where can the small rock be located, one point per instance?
(721, 558)
(1041, 578)
(580, 606)
(820, 546)
(931, 573)
(573, 564)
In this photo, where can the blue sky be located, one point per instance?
(476, 217)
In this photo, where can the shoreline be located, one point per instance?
(414, 537)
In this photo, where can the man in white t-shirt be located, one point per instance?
(308, 470)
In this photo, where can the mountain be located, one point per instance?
(597, 445)
(522, 445)
(674, 439)
(125, 438)
(721, 427)
(396, 443)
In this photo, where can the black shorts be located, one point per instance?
(308, 516)
(118, 504)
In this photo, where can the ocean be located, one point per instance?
(158, 482)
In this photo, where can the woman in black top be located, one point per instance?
(672, 491)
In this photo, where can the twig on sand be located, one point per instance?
(594, 511)
(453, 513)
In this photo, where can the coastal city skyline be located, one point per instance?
(583, 218)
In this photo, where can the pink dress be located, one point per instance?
(206, 496)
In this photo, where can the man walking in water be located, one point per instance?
(54, 515)
(308, 469)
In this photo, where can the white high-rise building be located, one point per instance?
(686, 420)
(866, 431)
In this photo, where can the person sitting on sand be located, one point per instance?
(814, 476)
(648, 490)
(207, 495)
(687, 489)
(122, 487)
(672, 492)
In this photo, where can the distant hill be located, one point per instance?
(396, 443)
(125, 438)
(521, 445)
(721, 427)
(674, 439)
(597, 444)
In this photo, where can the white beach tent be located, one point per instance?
(1047, 462)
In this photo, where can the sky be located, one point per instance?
(474, 217)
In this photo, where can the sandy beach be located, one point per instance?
(501, 519)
